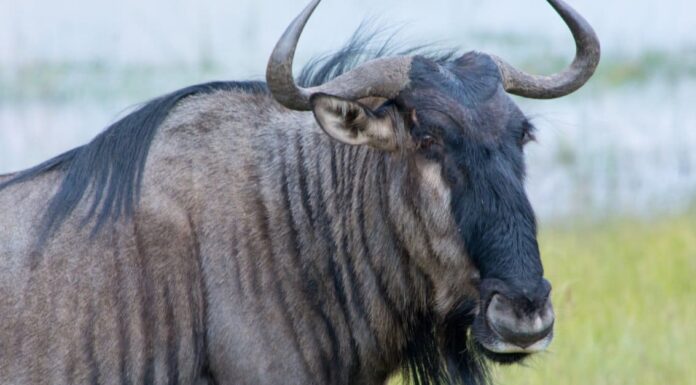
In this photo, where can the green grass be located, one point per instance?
(625, 301)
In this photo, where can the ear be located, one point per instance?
(353, 123)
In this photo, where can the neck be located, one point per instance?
(323, 240)
(347, 230)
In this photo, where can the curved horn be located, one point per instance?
(383, 77)
(563, 83)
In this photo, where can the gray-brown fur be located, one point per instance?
(293, 240)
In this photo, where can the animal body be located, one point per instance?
(266, 233)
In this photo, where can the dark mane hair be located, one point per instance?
(445, 353)
(111, 165)
(366, 43)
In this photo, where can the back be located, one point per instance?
(121, 305)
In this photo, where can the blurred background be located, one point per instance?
(612, 177)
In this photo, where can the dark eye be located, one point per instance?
(425, 142)
(527, 137)
(527, 134)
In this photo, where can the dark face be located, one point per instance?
(465, 122)
(457, 129)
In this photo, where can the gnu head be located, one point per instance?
(454, 126)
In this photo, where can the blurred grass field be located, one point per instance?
(625, 301)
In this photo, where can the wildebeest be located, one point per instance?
(223, 234)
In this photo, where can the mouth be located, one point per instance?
(503, 347)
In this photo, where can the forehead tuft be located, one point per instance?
(459, 97)
(469, 80)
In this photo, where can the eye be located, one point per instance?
(425, 142)
(527, 134)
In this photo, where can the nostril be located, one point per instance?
(516, 325)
